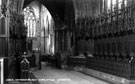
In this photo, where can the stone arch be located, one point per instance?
(56, 8)
(82, 8)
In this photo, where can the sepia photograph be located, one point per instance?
(67, 42)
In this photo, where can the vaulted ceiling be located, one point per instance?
(55, 7)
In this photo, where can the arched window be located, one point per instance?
(113, 4)
(30, 21)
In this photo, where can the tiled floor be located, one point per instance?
(50, 75)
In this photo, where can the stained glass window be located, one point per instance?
(113, 4)
(30, 21)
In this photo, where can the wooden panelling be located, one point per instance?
(3, 47)
(18, 34)
(2, 26)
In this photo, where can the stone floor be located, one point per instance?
(49, 75)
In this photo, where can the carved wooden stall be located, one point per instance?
(18, 34)
(114, 44)
(3, 38)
